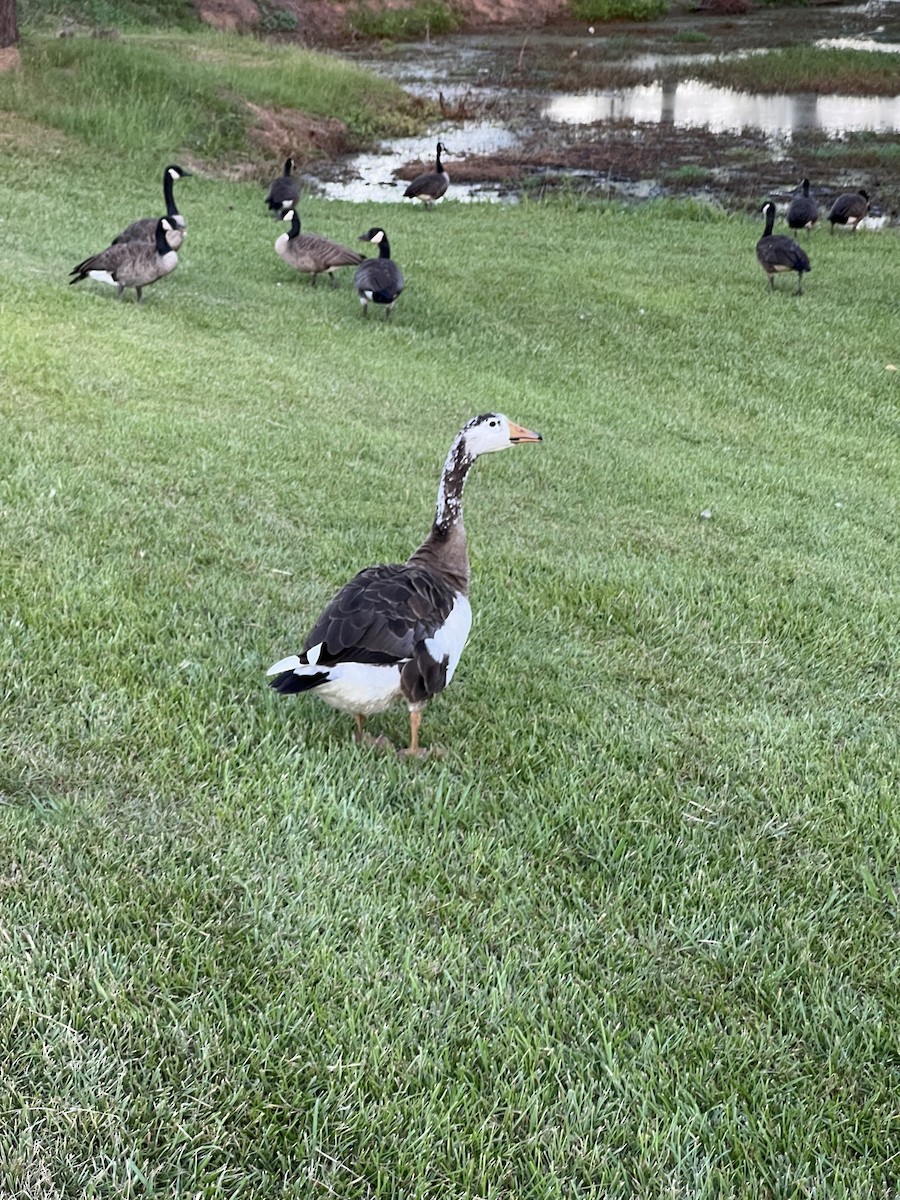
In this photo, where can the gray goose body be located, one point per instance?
(803, 212)
(144, 229)
(284, 192)
(396, 631)
(131, 264)
(430, 185)
(311, 254)
(378, 280)
(849, 209)
(777, 253)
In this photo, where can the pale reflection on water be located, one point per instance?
(721, 110)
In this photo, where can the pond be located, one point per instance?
(514, 121)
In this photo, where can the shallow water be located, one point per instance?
(506, 82)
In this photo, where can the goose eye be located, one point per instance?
(492, 423)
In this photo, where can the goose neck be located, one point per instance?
(171, 209)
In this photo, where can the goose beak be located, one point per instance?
(518, 433)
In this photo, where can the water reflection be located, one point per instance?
(722, 110)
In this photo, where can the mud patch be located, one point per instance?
(287, 131)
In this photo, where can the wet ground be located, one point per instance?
(560, 109)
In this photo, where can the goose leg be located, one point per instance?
(365, 739)
(138, 290)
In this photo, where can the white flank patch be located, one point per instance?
(102, 276)
(281, 243)
(361, 687)
(312, 656)
(368, 296)
(452, 636)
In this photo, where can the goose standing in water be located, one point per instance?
(849, 209)
(132, 264)
(396, 632)
(144, 229)
(803, 212)
(776, 253)
(284, 192)
(430, 185)
(378, 280)
(311, 254)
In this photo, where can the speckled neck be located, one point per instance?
(445, 549)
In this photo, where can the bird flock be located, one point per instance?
(147, 249)
(778, 253)
(395, 632)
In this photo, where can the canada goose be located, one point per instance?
(803, 212)
(144, 229)
(378, 280)
(849, 209)
(284, 192)
(396, 632)
(132, 264)
(431, 185)
(779, 253)
(311, 254)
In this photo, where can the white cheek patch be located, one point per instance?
(379, 237)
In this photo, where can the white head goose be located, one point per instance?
(849, 209)
(144, 229)
(311, 254)
(378, 280)
(132, 264)
(396, 632)
(777, 253)
(430, 185)
(284, 192)
(803, 212)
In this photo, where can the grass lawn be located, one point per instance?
(635, 934)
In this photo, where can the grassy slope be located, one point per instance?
(635, 934)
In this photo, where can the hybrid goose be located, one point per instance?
(396, 632)
(311, 254)
(803, 212)
(378, 280)
(430, 185)
(777, 253)
(144, 229)
(132, 264)
(849, 209)
(284, 192)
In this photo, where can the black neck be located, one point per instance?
(171, 210)
(384, 249)
(287, 167)
(805, 187)
(162, 246)
(449, 509)
(295, 225)
(770, 221)
(437, 160)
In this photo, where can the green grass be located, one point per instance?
(425, 19)
(807, 69)
(635, 934)
(617, 10)
(189, 91)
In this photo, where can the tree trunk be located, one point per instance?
(9, 27)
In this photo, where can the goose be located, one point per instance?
(431, 185)
(144, 229)
(311, 254)
(779, 253)
(284, 192)
(132, 264)
(396, 632)
(803, 212)
(849, 209)
(378, 280)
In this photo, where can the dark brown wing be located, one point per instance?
(381, 615)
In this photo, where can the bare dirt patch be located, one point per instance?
(288, 131)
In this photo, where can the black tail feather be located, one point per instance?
(289, 681)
